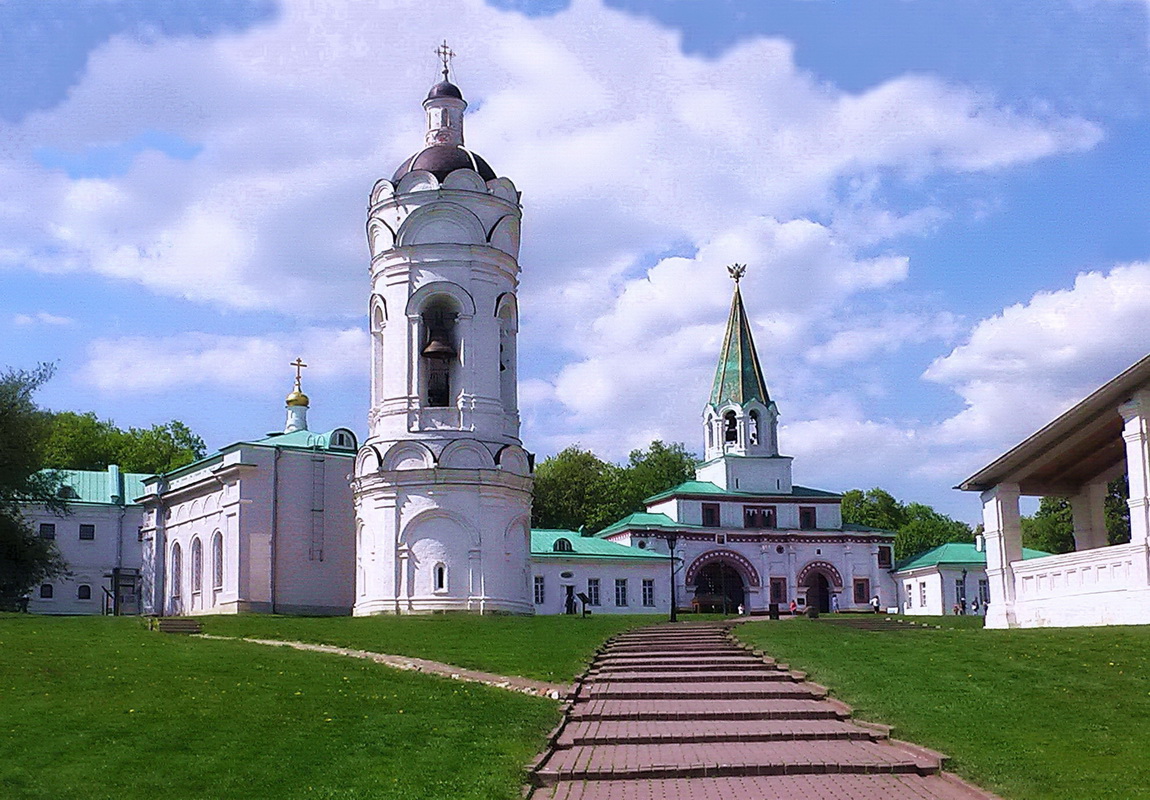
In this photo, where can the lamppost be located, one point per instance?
(672, 540)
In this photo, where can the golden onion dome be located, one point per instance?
(297, 398)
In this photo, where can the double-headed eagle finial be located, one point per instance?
(736, 271)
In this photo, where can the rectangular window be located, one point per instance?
(88, 532)
(593, 591)
(760, 517)
(922, 594)
(649, 592)
(807, 518)
(778, 590)
(539, 590)
(884, 557)
(47, 530)
(984, 590)
(959, 591)
(620, 591)
(862, 590)
(711, 515)
(909, 596)
(47, 591)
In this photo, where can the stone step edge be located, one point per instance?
(544, 777)
(718, 738)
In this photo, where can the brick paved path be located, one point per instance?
(686, 712)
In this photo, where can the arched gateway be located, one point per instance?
(720, 579)
(821, 580)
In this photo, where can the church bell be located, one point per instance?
(438, 346)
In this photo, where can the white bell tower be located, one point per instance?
(443, 485)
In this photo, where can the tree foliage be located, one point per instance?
(1051, 528)
(917, 526)
(576, 489)
(84, 441)
(25, 558)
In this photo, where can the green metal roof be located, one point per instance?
(643, 519)
(296, 440)
(543, 545)
(708, 488)
(739, 378)
(101, 486)
(957, 554)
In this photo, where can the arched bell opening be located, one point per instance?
(719, 589)
(753, 427)
(730, 427)
(439, 353)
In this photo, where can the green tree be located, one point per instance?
(84, 441)
(25, 558)
(1051, 528)
(576, 489)
(917, 526)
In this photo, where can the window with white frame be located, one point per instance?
(959, 590)
(649, 592)
(83, 592)
(47, 591)
(620, 591)
(922, 594)
(88, 532)
(984, 590)
(909, 596)
(218, 561)
(47, 530)
(177, 569)
(593, 591)
(197, 565)
(439, 578)
(540, 590)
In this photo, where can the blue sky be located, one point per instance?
(943, 206)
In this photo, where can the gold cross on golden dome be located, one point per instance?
(737, 271)
(445, 54)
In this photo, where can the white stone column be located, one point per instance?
(1002, 530)
(1088, 508)
(1134, 413)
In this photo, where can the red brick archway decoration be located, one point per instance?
(736, 560)
(825, 567)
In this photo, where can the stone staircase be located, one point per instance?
(683, 711)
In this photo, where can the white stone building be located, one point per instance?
(614, 578)
(939, 580)
(99, 540)
(442, 484)
(746, 535)
(1075, 456)
(263, 525)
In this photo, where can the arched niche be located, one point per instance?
(380, 236)
(465, 179)
(368, 461)
(513, 459)
(418, 180)
(466, 454)
(377, 320)
(504, 189)
(505, 235)
(441, 223)
(408, 455)
(382, 190)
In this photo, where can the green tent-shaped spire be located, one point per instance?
(739, 377)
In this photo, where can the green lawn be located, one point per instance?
(552, 648)
(1059, 714)
(101, 708)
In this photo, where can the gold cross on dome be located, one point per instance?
(299, 365)
(445, 54)
(737, 271)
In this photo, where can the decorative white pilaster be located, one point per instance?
(1088, 508)
(1135, 413)
(1002, 529)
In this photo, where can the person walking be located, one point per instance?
(875, 604)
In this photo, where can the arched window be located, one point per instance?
(177, 569)
(197, 565)
(46, 591)
(563, 546)
(83, 592)
(218, 561)
(730, 427)
(378, 322)
(439, 351)
(507, 356)
(440, 578)
(753, 428)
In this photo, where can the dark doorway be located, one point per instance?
(569, 600)
(819, 592)
(719, 589)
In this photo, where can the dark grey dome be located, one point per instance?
(445, 89)
(443, 159)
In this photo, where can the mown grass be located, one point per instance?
(552, 648)
(102, 708)
(1059, 714)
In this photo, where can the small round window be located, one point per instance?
(642, 545)
(779, 549)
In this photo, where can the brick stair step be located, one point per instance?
(766, 787)
(749, 666)
(731, 759)
(681, 652)
(180, 625)
(678, 709)
(722, 675)
(593, 732)
(746, 690)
